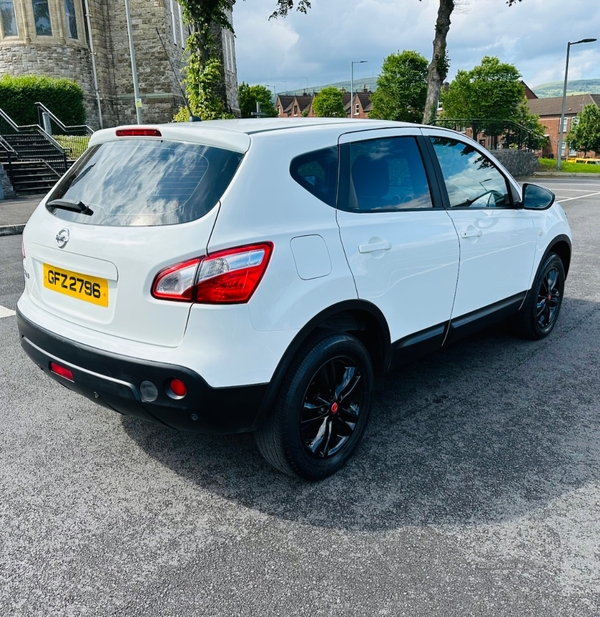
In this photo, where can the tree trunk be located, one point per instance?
(438, 67)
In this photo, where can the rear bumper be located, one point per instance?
(114, 380)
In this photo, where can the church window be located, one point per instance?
(9, 22)
(41, 15)
(71, 19)
(173, 22)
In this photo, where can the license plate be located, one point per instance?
(81, 286)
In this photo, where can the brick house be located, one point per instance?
(549, 111)
(296, 106)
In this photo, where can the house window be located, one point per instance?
(181, 25)
(565, 127)
(9, 22)
(71, 19)
(174, 29)
(357, 109)
(295, 110)
(41, 15)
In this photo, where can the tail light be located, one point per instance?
(225, 277)
(138, 132)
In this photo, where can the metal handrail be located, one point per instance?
(42, 108)
(7, 146)
(10, 121)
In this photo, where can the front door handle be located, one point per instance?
(372, 247)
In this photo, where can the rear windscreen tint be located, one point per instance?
(141, 182)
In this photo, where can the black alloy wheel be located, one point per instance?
(539, 313)
(332, 407)
(322, 407)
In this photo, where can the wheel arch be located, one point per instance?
(357, 317)
(561, 245)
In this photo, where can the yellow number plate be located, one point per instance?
(80, 286)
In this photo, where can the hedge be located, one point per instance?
(63, 97)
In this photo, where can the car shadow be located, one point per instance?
(487, 430)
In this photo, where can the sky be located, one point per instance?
(318, 48)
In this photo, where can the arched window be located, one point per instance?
(9, 22)
(71, 19)
(41, 15)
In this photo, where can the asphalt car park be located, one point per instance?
(475, 490)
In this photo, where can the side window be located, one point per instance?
(470, 177)
(383, 175)
(317, 173)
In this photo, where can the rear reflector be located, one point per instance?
(178, 387)
(138, 132)
(61, 371)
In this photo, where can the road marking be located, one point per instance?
(4, 312)
(579, 197)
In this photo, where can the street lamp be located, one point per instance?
(352, 84)
(136, 88)
(564, 102)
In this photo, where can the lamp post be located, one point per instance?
(564, 102)
(352, 84)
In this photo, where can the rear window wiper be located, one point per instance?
(71, 206)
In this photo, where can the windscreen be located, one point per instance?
(141, 182)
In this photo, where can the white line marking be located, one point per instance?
(4, 312)
(579, 197)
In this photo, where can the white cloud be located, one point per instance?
(320, 45)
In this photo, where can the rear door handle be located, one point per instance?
(384, 245)
(471, 233)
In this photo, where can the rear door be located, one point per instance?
(400, 243)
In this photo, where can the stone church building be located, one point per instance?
(86, 40)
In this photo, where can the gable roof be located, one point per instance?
(553, 106)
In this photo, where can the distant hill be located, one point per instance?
(579, 86)
(359, 83)
(543, 91)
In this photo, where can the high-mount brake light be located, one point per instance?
(138, 132)
(226, 277)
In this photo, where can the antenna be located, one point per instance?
(193, 118)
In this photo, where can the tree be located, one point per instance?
(248, 96)
(585, 136)
(488, 93)
(401, 88)
(527, 131)
(329, 103)
(438, 67)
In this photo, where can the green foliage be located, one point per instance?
(492, 90)
(248, 96)
(74, 145)
(63, 97)
(586, 135)
(204, 84)
(329, 103)
(534, 136)
(401, 88)
(568, 167)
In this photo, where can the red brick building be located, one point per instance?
(549, 111)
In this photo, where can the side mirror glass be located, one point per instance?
(537, 197)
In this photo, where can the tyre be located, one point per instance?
(322, 408)
(541, 308)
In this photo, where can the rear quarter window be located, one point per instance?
(317, 172)
(141, 182)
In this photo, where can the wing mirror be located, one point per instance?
(536, 197)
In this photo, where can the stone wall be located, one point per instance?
(58, 56)
(518, 162)
(6, 188)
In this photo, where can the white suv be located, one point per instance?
(257, 275)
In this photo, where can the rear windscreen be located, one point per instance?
(146, 182)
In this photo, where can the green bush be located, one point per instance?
(63, 97)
